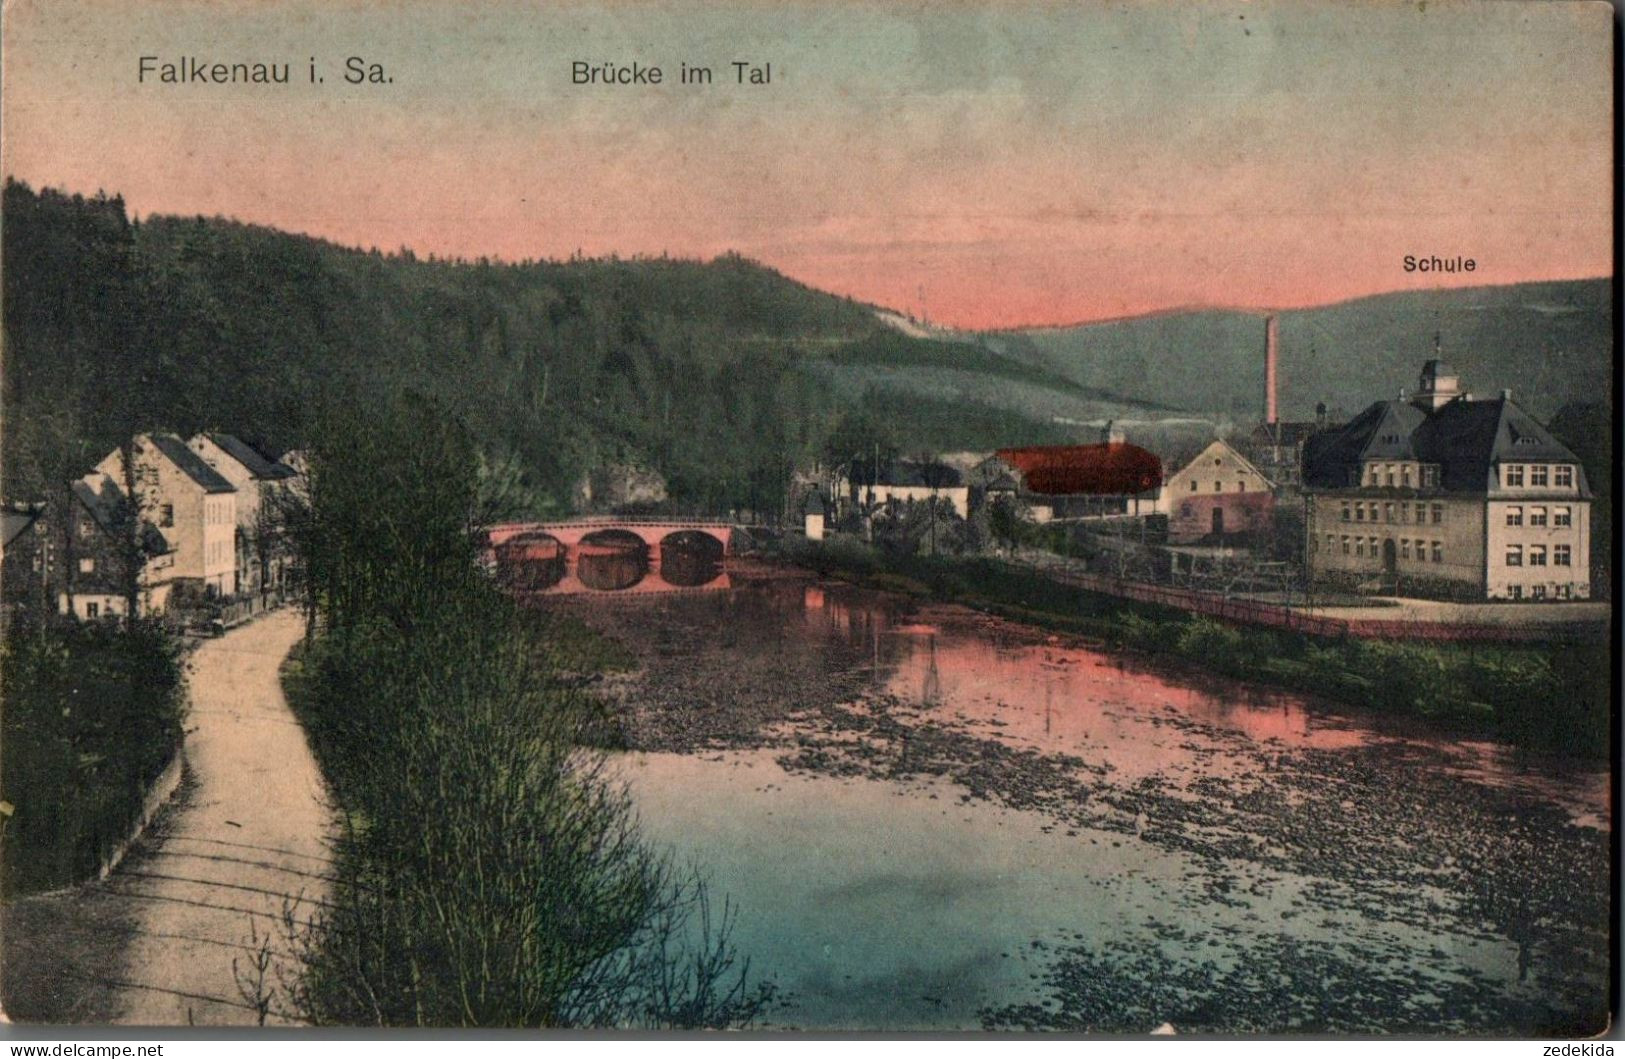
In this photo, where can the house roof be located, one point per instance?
(1383, 431)
(191, 464)
(927, 475)
(15, 519)
(1235, 454)
(102, 500)
(1466, 438)
(249, 457)
(1107, 469)
(1390, 436)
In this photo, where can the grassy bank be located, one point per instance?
(1546, 697)
(489, 872)
(92, 716)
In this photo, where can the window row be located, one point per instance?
(1538, 475)
(1399, 475)
(1561, 516)
(1539, 591)
(1535, 555)
(1218, 485)
(1374, 547)
(1392, 511)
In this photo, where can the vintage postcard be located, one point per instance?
(997, 516)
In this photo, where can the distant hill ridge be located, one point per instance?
(723, 376)
(1550, 342)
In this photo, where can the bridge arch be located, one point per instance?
(613, 558)
(690, 558)
(531, 561)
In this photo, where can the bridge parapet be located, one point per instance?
(570, 533)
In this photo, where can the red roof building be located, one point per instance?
(1107, 469)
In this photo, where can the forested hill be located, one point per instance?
(1551, 343)
(722, 376)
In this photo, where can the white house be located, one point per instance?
(902, 482)
(260, 553)
(191, 504)
(1219, 493)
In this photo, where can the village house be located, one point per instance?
(260, 551)
(899, 482)
(1112, 479)
(1442, 494)
(1219, 495)
(25, 556)
(192, 504)
(96, 584)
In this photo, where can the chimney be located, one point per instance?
(1271, 340)
(1506, 395)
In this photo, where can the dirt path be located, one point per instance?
(247, 835)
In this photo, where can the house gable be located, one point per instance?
(1222, 464)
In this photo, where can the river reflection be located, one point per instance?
(610, 566)
(990, 802)
(690, 567)
(1033, 690)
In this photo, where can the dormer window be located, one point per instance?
(1430, 476)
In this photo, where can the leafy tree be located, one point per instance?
(489, 868)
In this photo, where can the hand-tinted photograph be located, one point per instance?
(996, 517)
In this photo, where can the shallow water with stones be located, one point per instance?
(926, 818)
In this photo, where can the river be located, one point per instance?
(928, 818)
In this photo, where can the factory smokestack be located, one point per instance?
(1271, 341)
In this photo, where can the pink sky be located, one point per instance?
(989, 165)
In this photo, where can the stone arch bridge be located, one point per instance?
(513, 548)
